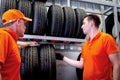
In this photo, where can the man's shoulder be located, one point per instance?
(3, 31)
(106, 35)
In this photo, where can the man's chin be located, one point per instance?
(84, 33)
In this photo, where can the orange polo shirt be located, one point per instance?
(9, 55)
(97, 65)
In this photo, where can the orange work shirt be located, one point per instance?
(9, 55)
(97, 65)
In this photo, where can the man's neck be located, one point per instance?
(93, 34)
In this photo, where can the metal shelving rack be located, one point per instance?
(101, 7)
(105, 7)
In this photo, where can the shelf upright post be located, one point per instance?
(68, 3)
(116, 22)
(103, 19)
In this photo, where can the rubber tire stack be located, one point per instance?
(40, 18)
(109, 23)
(5, 5)
(55, 21)
(30, 65)
(47, 62)
(38, 63)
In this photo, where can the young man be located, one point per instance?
(13, 27)
(99, 53)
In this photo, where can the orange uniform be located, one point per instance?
(97, 65)
(9, 55)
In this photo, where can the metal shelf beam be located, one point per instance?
(53, 38)
(105, 3)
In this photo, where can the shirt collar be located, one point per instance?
(96, 37)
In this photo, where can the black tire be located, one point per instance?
(5, 5)
(30, 65)
(55, 21)
(79, 71)
(47, 62)
(26, 7)
(39, 0)
(40, 18)
(22, 68)
(109, 23)
(69, 22)
(80, 14)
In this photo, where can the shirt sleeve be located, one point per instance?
(3, 47)
(82, 51)
(111, 45)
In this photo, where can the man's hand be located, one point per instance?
(22, 44)
(59, 56)
(34, 43)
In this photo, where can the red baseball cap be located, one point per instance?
(13, 15)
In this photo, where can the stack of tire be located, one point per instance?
(109, 23)
(65, 22)
(38, 63)
(57, 21)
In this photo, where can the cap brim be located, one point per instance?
(26, 19)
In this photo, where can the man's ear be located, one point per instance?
(92, 23)
(18, 21)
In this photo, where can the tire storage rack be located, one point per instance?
(58, 22)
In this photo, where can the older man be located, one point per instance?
(13, 27)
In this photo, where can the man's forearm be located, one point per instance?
(116, 72)
(0, 73)
(0, 77)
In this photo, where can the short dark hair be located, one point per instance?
(95, 18)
